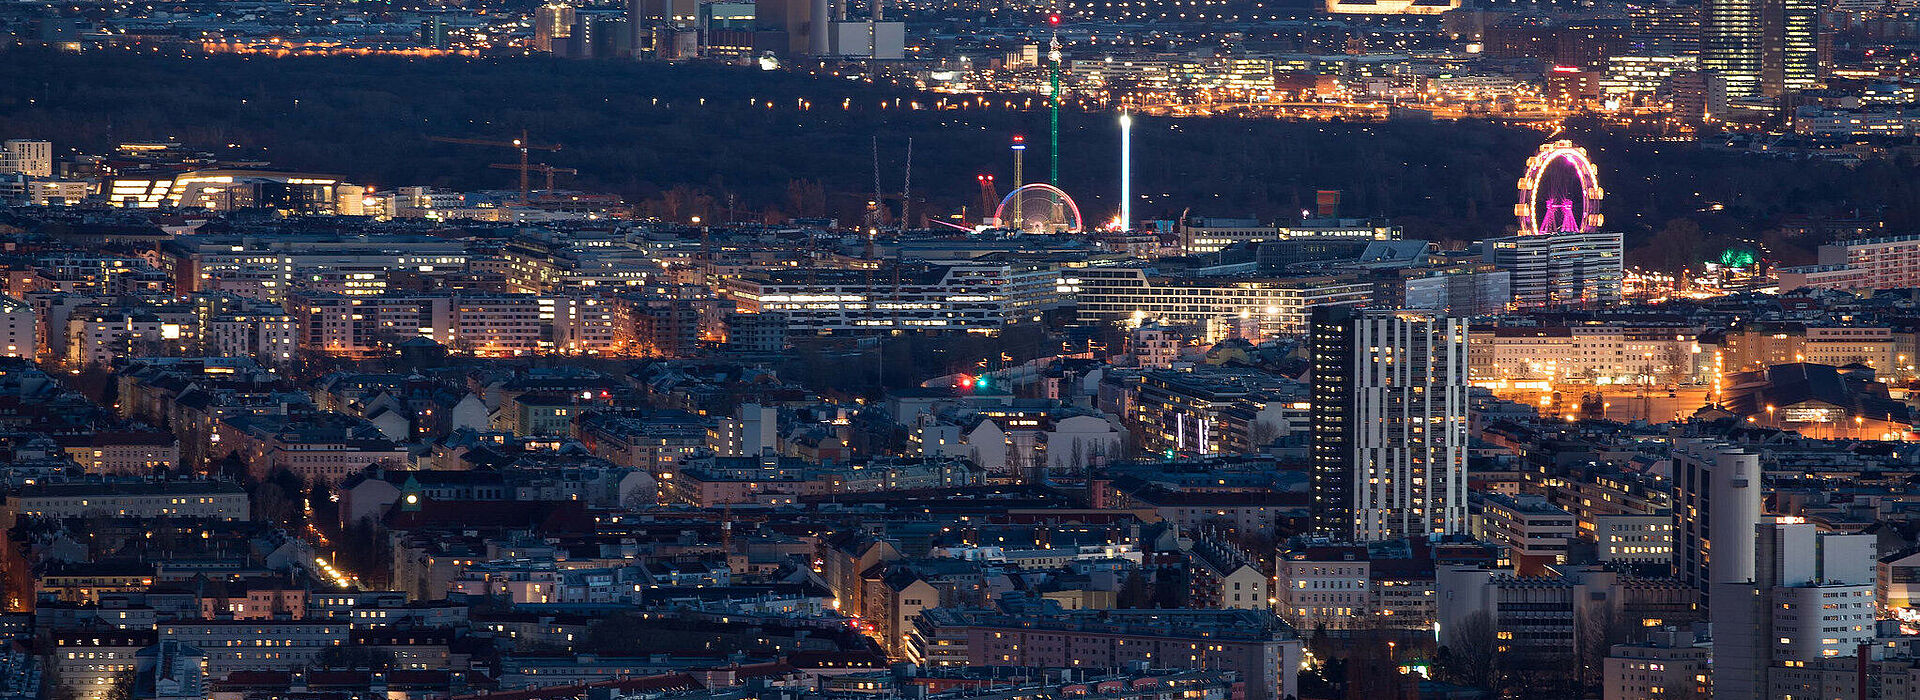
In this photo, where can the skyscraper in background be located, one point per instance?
(1789, 46)
(1761, 47)
(551, 21)
(1389, 417)
(1730, 38)
(1662, 28)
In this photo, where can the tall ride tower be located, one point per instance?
(1053, 95)
(1019, 173)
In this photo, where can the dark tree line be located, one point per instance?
(727, 142)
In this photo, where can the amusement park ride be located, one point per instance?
(1038, 207)
(1560, 192)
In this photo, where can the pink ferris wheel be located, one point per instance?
(1560, 192)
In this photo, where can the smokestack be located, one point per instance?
(1326, 204)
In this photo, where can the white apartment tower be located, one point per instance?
(1389, 409)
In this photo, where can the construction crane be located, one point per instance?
(541, 168)
(522, 144)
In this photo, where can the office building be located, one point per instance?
(1210, 235)
(26, 157)
(1808, 598)
(1664, 28)
(1389, 424)
(551, 21)
(974, 296)
(1789, 46)
(1730, 37)
(1634, 78)
(1277, 304)
(486, 325)
(1761, 47)
(1464, 289)
(1565, 268)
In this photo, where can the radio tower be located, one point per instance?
(1053, 57)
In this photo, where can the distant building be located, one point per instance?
(1568, 268)
(980, 297)
(1671, 663)
(123, 452)
(1279, 304)
(1724, 480)
(170, 670)
(89, 661)
(1808, 599)
(214, 500)
(1391, 7)
(26, 157)
(1860, 265)
(19, 328)
(1264, 650)
(1535, 533)
(551, 21)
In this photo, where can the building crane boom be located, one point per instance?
(522, 144)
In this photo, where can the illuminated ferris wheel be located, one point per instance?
(1039, 208)
(1560, 192)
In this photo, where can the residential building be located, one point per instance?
(212, 500)
(1389, 424)
(1264, 650)
(1535, 533)
(1671, 663)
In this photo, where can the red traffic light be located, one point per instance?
(1053, 19)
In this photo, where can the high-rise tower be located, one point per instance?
(1389, 417)
(1730, 32)
(1789, 46)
